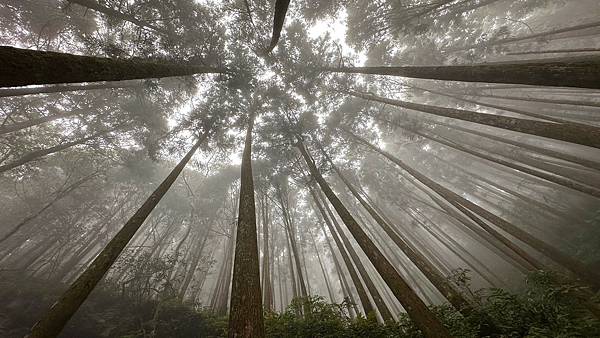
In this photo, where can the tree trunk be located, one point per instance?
(246, 311)
(568, 133)
(384, 311)
(281, 7)
(34, 155)
(553, 51)
(194, 264)
(266, 272)
(550, 101)
(323, 270)
(23, 67)
(527, 37)
(550, 177)
(362, 294)
(116, 14)
(566, 261)
(423, 318)
(9, 92)
(433, 275)
(56, 318)
(34, 122)
(567, 72)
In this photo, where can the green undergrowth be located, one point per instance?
(545, 308)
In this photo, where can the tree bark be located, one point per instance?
(9, 92)
(423, 318)
(266, 271)
(281, 7)
(568, 133)
(57, 317)
(577, 268)
(246, 311)
(23, 67)
(577, 72)
(550, 101)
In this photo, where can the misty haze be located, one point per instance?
(307, 168)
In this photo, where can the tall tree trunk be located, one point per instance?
(566, 72)
(266, 272)
(34, 122)
(23, 67)
(36, 154)
(281, 7)
(566, 261)
(541, 100)
(323, 270)
(194, 264)
(435, 277)
(380, 305)
(8, 92)
(57, 317)
(295, 293)
(423, 318)
(362, 294)
(116, 14)
(568, 133)
(554, 51)
(528, 37)
(551, 177)
(246, 311)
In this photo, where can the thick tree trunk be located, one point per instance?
(9, 92)
(435, 277)
(423, 318)
(116, 14)
(23, 67)
(281, 7)
(362, 293)
(56, 318)
(246, 311)
(568, 133)
(567, 72)
(566, 261)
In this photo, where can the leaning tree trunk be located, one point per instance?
(281, 7)
(10, 128)
(423, 264)
(577, 268)
(246, 311)
(540, 100)
(57, 317)
(35, 155)
(423, 318)
(362, 293)
(323, 270)
(550, 177)
(383, 309)
(567, 72)
(555, 51)
(8, 92)
(569, 133)
(23, 67)
(528, 37)
(116, 14)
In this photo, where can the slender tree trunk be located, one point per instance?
(246, 310)
(9, 92)
(422, 263)
(528, 37)
(34, 155)
(567, 72)
(384, 311)
(323, 270)
(35, 122)
(566, 261)
(295, 293)
(550, 101)
(423, 318)
(116, 14)
(266, 275)
(551, 177)
(194, 264)
(23, 67)
(56, 318)
(553, 51)
(568, 133)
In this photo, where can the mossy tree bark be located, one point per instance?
(423, 318)
(23, 67)
(246, 311)
(57, 317)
